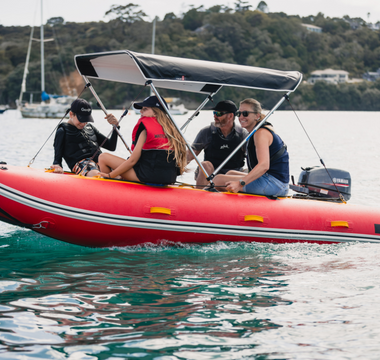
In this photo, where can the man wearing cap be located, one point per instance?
(218, 141)
(77, 141)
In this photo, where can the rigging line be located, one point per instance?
(67, 111)
(320, 159)
(60, 60)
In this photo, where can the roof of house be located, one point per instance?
(329, 72)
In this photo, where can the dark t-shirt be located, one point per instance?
(204, 137)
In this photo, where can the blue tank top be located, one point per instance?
(279, 168)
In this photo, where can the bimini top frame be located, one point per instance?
(191, 75)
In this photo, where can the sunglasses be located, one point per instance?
(244, 113)
(219, 113)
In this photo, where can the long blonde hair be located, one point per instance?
(175, 139)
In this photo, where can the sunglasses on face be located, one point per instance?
(244, 113)
(219, 113)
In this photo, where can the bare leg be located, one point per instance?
(92, 173)
(221, 180)
(235, 172)
(109, 162)
(201, 179)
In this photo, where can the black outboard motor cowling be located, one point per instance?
(321, 184)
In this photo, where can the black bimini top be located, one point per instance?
(182, 74)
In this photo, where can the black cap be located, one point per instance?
(226, 105)
(150, 101)
(82, 109)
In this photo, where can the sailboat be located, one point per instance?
(51, 106)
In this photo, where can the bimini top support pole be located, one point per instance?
(257, 127)
(150, 83)
(199, 108)
(105, 112)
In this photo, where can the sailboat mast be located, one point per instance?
(23, 84)
(153, 42)
(154, 34)
(42, 53)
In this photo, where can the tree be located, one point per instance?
(55, 21)
(241, 6)
(170, 16)
(193, 19)
(126, 13)
(263, 7)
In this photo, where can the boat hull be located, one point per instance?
(103, 213)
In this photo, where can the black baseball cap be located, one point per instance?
(226, 105)
(82, 109)
(150, 101)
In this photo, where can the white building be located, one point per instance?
(329, 75)
(312, 28)
(371, 75)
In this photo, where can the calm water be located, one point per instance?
(218, 301)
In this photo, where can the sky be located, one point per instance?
(27, 12)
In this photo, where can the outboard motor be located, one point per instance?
(316, 182)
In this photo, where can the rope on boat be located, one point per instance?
(67, 111)
(320, 159)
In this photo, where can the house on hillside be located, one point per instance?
(328, 75)
(371, 75)
(312, 28)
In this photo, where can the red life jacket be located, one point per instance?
(155, 135)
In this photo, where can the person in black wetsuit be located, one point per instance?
(218, 140)
(76, 140)
(267, 157)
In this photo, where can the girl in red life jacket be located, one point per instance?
(159, 152)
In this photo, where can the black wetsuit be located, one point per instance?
(73, 144)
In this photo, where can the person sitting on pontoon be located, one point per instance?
(77, 141)
(159, 151)
(218, 140)
(267, 158)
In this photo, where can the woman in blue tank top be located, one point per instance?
(267, 157)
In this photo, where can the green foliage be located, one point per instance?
(241, 36)
(126, 13)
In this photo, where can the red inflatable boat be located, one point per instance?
(104, 213)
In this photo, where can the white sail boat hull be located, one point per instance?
(56, 106)
(56, 109)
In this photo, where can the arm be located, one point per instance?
(263, 139)
(131, 161)
(58, 151)
(109, 144)
(201, 141)
(190, 156)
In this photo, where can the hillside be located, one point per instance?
(241, 36)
